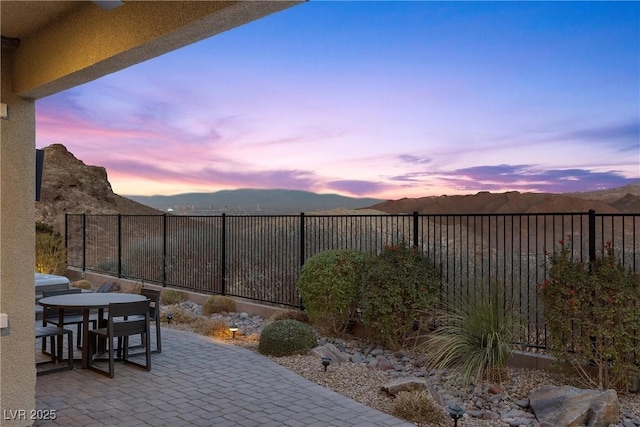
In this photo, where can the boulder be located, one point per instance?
(406, 384)
(331, 351)
(573, 407)
(109, 287)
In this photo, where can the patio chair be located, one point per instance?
(154, 316)
(71, 316)
(125, 319)
(54, 333)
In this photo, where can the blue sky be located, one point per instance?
(374, 99)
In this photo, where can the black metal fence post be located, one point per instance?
(592, 235)
(119, 245)
(302, 254)
(415, 229)
(223, 256)
(164, 250)
(84, 242)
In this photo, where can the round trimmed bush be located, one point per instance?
(399, 291)
(285, 338)
(330, 284)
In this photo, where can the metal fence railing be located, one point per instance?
(259, 257)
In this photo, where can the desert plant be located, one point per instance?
(216, 328)
(290, 313)
(400, 287)
(475, 335)
(178, 315)
(591, 311)
(51, 255)
(285, 338)
(419, 408)
(218, 304)
(330, 284)
(82, 284)
(172, 296)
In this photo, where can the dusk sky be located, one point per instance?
(374, 99)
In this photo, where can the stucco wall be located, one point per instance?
(17, 254)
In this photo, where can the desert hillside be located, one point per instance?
(623, 199)
(70, 186)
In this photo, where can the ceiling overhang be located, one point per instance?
(81, 41)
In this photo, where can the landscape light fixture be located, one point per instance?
(326, 361)
(233, 328)
(169, 318)
(455, 412)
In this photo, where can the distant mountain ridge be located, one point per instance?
(623, 199)
(252, 201)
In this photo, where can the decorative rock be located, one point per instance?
(523, 403)
(333, 352)
(494, 389)
(572, 407)
(405, 384)
(109, 287)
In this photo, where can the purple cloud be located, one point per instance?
(415, 160)
(526, 178)
(627, 134)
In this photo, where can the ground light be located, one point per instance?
(169, 318)
(326, 361)
(455, 412)
(233, 328)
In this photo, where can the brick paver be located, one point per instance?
(197, 381)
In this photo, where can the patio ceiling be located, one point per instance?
(62, 44)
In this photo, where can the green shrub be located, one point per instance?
(400, 287)
(419, 408)
(218, 304)
(290, 313)
(330, 284)
(285, 338)
(51, 255)
(172, 296)
(591, 311)
(475, 335)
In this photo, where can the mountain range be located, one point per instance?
(70, 186)
(252, 201)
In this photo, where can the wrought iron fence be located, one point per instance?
(259, 257)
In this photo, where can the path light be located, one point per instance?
(326, 361)
(233, 328)
(169, 318)
(455, 412)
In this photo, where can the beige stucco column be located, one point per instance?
(17, 254)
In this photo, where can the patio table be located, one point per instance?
(87, 301)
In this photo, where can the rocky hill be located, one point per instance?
(70, 186)
(623, 199)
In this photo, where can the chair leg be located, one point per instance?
(148, 351)
(158, 341)
(111, 361)
(69, 348)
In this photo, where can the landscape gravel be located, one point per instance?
(370, 367)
